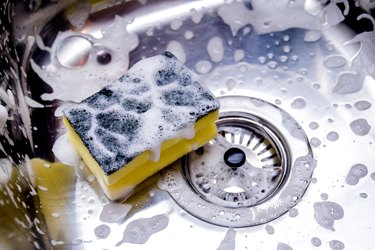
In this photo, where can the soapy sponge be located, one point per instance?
(156, 113)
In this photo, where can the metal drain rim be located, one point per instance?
(295, 185)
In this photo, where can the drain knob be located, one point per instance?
(234, 157)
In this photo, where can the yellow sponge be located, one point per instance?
(131, 129)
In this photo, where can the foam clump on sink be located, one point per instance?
(153, 115)
(92, 76)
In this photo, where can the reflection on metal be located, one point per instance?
(81, 47)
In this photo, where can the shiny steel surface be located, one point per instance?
(303, 71)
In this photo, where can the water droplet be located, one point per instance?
(270, 230)
(332, 136)
(372, 176)
(360, 127)
(189, 35)
(298, 103)
(176, 24)
(215, 49)
(230, 83)
(203, 67)
(326, 212)
(362, 105)
(316, 242)
(356, 172)
(283, 58)
(272, 65)
(363, 195)
(336, 245)
(293, 212)
(102, 231)
(262, 59)
(334, 61)
(324, 196)
(312, 36)
(315, 142)
(286, 49)
(283, 246)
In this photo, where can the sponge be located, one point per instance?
(156, 113)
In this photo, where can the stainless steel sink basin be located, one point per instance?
(296, 82)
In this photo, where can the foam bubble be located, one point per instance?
(65, 152)
(32, 103)
(5, 170)
(3, 118)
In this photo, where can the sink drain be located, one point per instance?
(255, 170)
(244, 166)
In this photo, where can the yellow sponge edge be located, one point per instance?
(119, 184)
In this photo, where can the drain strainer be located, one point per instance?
(242, 167)
(255, 170)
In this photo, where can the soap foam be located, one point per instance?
(3, 118)
(91, 77)
(166, 101)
